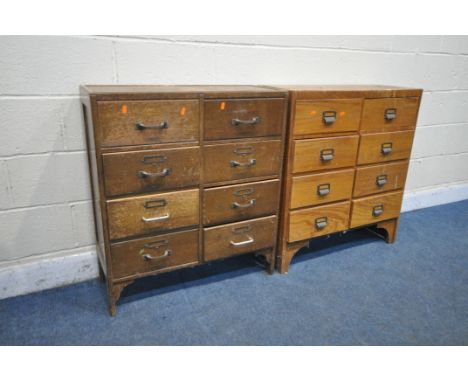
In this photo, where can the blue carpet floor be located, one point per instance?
(350, 289)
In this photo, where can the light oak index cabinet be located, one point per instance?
(182, 175)
(347, 153)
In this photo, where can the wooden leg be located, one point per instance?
(115, 290)
(390, 228)
(287, 253)
(268, 260)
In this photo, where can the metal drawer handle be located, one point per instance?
(377, 210)
(242, 243)
(143, 174)
(381, 180)
(329, 117)
(250, 163)
(239, 205)
(390, 114)
(252, 122)
(148, 257)
(321, 223)
(162, 125)
(323, 189)
(156, 218)
(327, 155)
(386, 148)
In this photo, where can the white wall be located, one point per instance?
(45, 208)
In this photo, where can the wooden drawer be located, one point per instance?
(245, 201)
(148, 122)
(380, 178)
(236, 238)
(385, 147)
(150, 213)
(373, 209)
(318, 221)
(310, 190)
(141, 256)
(234, 161)
(240, 118)
(324, 153)
(389, 114)
(327, 116)
(150, 170)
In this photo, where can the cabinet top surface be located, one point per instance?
(210, 91)
(336, 91)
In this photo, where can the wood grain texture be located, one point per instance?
(370, 148)
(227, 240)
(366, 182)
(373, 114)
(151, 170)
(305, 189)
(245, 201)
(307, 153)
(303, 223)
(129, 257)
(126, 214)
(218, 166)
(362, 211)
(221, 115)
(309, 116)
(118, 121)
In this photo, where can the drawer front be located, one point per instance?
(141, 256)
(389, 114)
(151, 213)
(381, 178)
(328, 116)
(318, 221)
(385, 147)
(146, 171)
(236, 238)
(240, 118)
(324, 153)
(148, 122)
(241, 161)
(310, 190)
(240, 202)
(376, 208)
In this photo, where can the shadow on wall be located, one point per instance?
(50, 208)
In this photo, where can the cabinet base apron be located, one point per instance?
(385, 230)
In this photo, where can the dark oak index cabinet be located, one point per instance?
(182, 175)
(347, 153)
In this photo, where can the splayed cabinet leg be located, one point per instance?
(115, 290)
(386, 229)
(287, 253)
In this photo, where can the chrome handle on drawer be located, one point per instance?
(156, 218)
(250, 163)
(323, 189)
(377, 210)
(148, 257)
(239, 205)
(143, 174)
(162, 125)
(242, 243)
(327, 155)
(321, 223)
(381, 180)
(329, 117)
(252, 122)
(386, 148)
(390, 114)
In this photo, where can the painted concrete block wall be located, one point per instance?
(45, 208)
